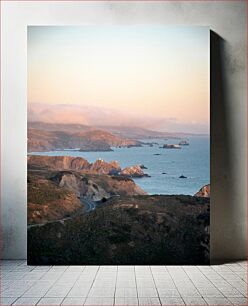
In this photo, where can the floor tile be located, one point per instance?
(75, 268)
(125, 283)
(50, 301)
(166, 301)
(37, 290)
(99, 301)
(164, 292)
(189, 292)
(58, 291)
(73, 301)
(217, 301)
(149, 301)
(143, 282)
(102, 292)
(26, 301)
(194, 301)
(230, 292)
(13, 292)
(147, 292)
(122, 301)
(104, 283)
(239, 301)
(210, 292)
(6, 301)
(126, 292)
(79, 291)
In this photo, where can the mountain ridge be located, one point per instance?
(92, 115)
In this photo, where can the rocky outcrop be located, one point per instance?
(134, 171)
(183, 143)
(128, 230)
(82, 186)
(171, 146)
(82, 165)
(204, 192)
(102, 167)
(73, 163)
(48, 202)
(97, 188)
(58, 162)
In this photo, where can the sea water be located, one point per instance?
(192, 161)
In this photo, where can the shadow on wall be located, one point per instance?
(222, 176)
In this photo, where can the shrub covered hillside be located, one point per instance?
(139, 229)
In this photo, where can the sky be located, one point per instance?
(156, 72)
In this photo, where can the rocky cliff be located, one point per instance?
(58, 162)
(82, 165)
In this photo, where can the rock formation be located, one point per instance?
(134, 171)
(95, 187)
(204, 192)
(102, 167)
(171, 146)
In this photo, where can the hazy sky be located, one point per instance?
(155, 71)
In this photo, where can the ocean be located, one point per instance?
(192, 161)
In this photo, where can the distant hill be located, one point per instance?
(59, 127)
(46, 139)
(141, 133)
(44, 136)
(88, 115)
(126, 132)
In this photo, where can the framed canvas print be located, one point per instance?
(118, 145)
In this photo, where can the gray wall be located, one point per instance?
(228, 104)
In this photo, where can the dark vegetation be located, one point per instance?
(127, 230)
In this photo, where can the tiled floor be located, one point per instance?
(123, 285)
